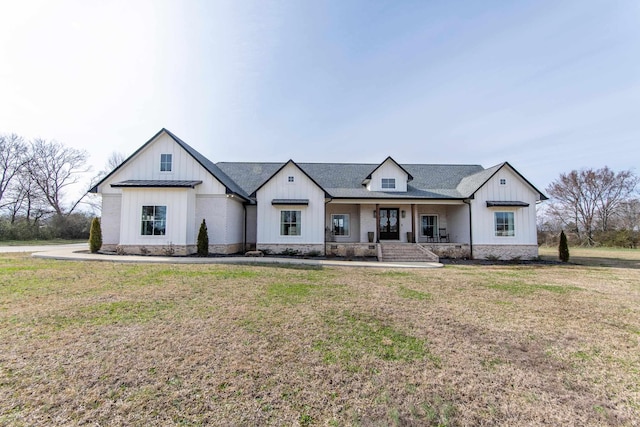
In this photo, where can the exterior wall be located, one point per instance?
(178, 222)
(439, 210)
(312, 215)
(524, 217)
(110, 221)
(352, 249)
(235, 223)
(354, 222)
(367, 222)
(388, 170)
(505, 252)
(146, 166)
(225, 222)
(458, 225)
(252, 224)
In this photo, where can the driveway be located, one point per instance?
(71, 247)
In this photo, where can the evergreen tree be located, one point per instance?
(203, 240)
(563, 248)
(95, 236)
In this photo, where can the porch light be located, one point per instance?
(374, 213)
(403, 213)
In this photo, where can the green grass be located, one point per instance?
(156, 344)
(352, 337)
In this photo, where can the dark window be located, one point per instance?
(340, 224)
(165, 162)
(154, 220)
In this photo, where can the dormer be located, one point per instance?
(388, 176)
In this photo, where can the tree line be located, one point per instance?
(593, 207)
(36, 179)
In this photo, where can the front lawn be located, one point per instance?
(140, 344)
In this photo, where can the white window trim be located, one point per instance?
(171, 164)
(291, 179)
(389, 181)
(435, 232)
(495, 225)
(299, 222)
(348, 222)
(166, 222)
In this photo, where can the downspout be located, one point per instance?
(468, 203)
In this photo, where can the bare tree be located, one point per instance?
(13, 157)
(589, 198)
(53, 169)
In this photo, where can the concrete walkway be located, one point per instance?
(80, 252)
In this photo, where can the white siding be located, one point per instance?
(278, 187)
(110, 221)
(146, 166)
(252, 223)
(354, 221)
(178, 222)
(388, 170)
(235, 221)
(367, 222)
(213, 209)
(515, 189)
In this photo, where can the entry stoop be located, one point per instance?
(406, 252)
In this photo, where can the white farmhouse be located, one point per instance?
(154, 202)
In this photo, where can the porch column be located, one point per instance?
(377, 223)
(413, 223)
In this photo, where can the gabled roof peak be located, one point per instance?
(389, 158)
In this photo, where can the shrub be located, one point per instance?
(203, 240)
(95, 236)
(563, 248)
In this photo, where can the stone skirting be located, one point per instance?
(352, 249)
(170, 250)
(449, 250)
(505, 252)
(157, 250)
(290, 249)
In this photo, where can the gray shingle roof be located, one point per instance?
(344, 180)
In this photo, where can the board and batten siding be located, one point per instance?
(145, 165)
(515, 189)
(180, 221)
(312, 215)
(388, 170)
(110, 221)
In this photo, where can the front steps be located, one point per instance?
(406, 252)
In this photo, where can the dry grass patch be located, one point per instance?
(123, 344)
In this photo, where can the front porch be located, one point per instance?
(366, 250)
(430, 222)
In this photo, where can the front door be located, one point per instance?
(389, 224)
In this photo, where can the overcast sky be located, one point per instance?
(549, 86)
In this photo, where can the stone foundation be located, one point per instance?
(301, 249)
(352, 249)
(156, 250)
(505, 252)
(449, 250)
(233, 248)
(170, 250)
